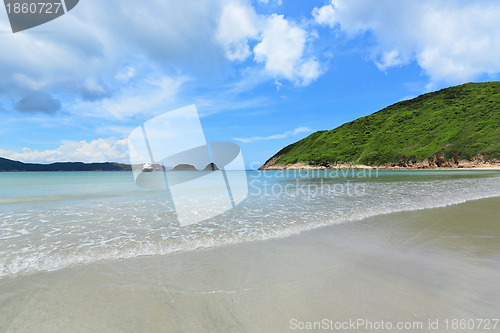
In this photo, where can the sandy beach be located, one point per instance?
(411, 267)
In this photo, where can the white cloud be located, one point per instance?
(29, 83)
(325, 15)
(92, 90)
(309, 71)
(155, 92)
(237, 24)
(126, 74)
(275, 136)
(149, 96)
(88, 48)
(100, 65)
(281, 47)
(281, 44)
(389, 59)
(100, 150)
(278, 2)
(452, 41)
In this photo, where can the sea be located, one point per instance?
(53, 220)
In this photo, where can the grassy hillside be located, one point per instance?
(460, 122)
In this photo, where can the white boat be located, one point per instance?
(147, 167)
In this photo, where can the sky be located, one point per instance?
(262, 74)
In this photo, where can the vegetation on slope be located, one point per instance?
(460, 122)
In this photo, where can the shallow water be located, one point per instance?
(49, 221)
(410, 267)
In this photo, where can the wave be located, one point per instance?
(109, 231)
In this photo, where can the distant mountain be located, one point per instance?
(450, 127)
(9, 165)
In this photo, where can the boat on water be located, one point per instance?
(147, 167)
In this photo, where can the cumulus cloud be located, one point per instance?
(38, 101)
(91, 51)
(93, 59)
(452, 41)
(237, 24)
(325, 15)
(309, 71)
(100, 150)
(281, 47)
(275, 136)
(280, 43)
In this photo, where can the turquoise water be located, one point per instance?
(54, 220)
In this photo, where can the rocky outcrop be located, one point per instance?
(184, 167)
(304, 166)
(438, 161)
(211, 167)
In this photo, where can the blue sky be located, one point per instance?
(262, 73)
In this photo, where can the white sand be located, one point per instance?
(433, 264)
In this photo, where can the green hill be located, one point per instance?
(457, 123)
(9, 165)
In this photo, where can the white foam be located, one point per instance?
(83, 232)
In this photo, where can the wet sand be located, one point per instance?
(416, 266)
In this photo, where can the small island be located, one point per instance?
(184, 167)
(7, 165)
(189, 167)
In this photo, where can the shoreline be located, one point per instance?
(295, 233)
(360, 167)
(293, 167)
(437, 263)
